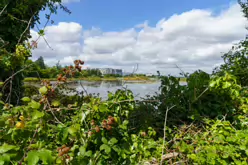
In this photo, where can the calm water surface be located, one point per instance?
(139, 89)
(102, 87)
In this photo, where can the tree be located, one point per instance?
(236, 60)
(40, 63)
(17, 17)
(58, 66)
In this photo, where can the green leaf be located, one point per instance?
(56, 103)
(106, 148)
(226, 85)
(26, 99)
(72, 130)
(1, 84)
(4, 159)
(95, 108)
(243, 147)
(43, 90)
(112, 141)
(32, 157)
(82, 150)
(212, 84)
(103, 108)
(5, 148)
(41, 32)
(37, 114)
(104, 140)
(88, 153)
(46, 156)
(115, 148)
(34, 104)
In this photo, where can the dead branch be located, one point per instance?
(3, 9)
(29, 22)
(161, 162)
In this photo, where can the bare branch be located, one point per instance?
(24, 21)
(10, 90)
(3, 9)
(185, 75)
(29, 22)
(165, 120)
(17, 73)
(44, 29)
(49, 106)
(83, 88)
(135, 69)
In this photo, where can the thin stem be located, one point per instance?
(161, 162)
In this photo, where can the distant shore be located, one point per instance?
(126, 79)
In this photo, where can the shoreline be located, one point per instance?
(125, 79)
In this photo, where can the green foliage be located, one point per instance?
(17, 18)
(105, 141)
(220, 143)
(207, 124)
(40, 63)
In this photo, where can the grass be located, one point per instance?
(136, 78)
(183, 79)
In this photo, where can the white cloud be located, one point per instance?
(69, 1)
(193, 40)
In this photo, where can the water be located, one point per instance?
(139, 89)
(103, 87)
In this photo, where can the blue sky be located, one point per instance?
(117, 15)
(192, 34)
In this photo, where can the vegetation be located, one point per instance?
(204, 122)
(39, 70)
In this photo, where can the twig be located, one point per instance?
(134, 70)
(3, 9)
(44, 29)
(161, 162)
(53, 113)
(10, 90)
(25, 153)
(16, 73)
(24, 21)
(83, 88)
(201, 94)
(29, 22)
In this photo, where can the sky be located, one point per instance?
(155, 34)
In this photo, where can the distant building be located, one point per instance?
(118, 71)
(149, 74)
(105, 71)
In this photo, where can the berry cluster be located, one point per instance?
(106, 124)
(77, 64)
(70, 71)
(63, 150)
(49, 91)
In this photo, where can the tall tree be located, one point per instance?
(17, 17)
(40, 63)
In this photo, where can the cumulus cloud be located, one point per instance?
(193, 40)
(68, 1)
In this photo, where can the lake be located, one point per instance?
(139, 89)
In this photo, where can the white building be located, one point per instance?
(105, 71)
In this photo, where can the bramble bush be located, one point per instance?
(204, 122)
